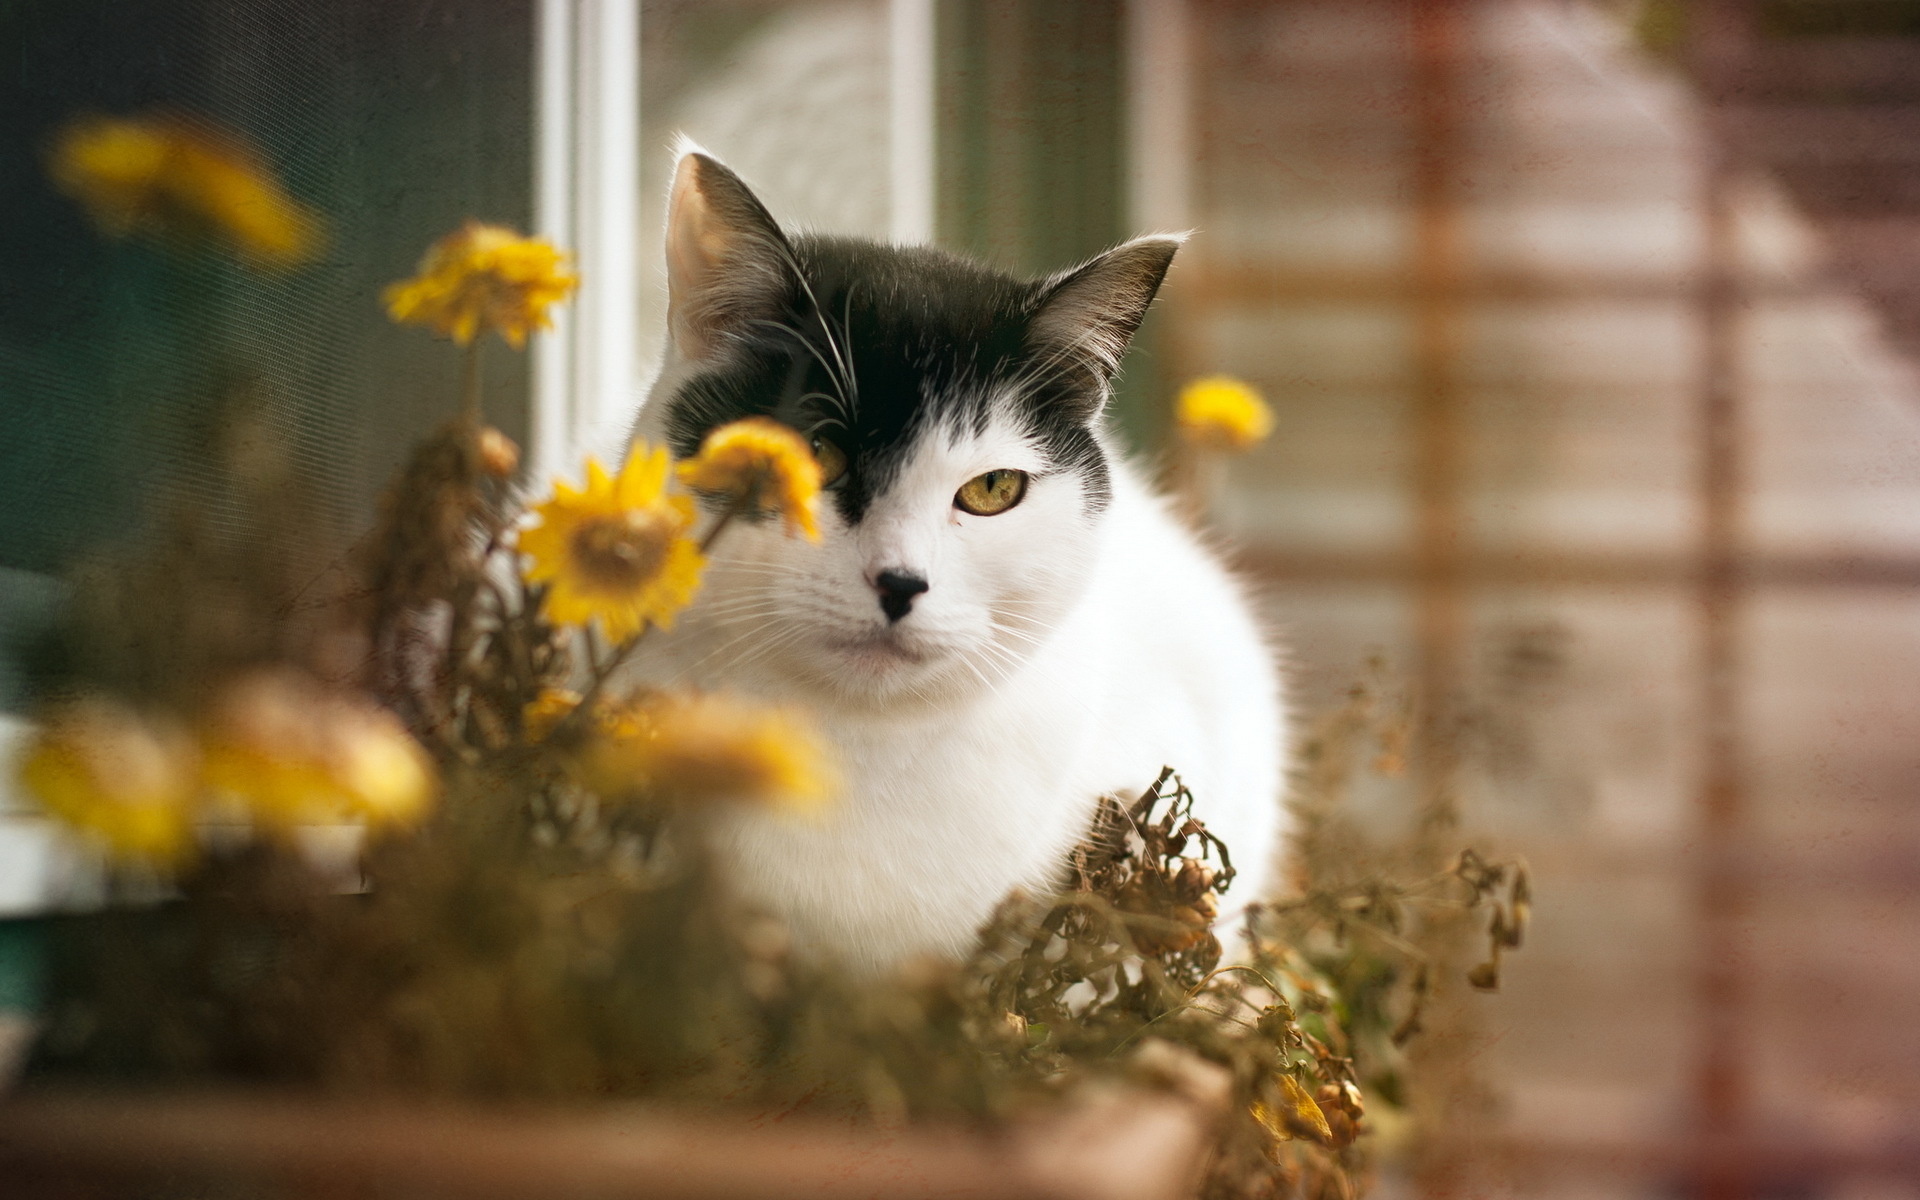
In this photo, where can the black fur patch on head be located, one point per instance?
(871, 345)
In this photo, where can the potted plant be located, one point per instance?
(409, 887)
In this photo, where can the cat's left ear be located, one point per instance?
(727, 261)
(1094, 309)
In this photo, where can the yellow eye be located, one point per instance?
(832, 460)
(992, 493)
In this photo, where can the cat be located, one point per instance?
(1002, 622)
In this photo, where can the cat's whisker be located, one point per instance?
(736, 612)
(769, 647)
(849, 394)
(765, 570)
(1007, 664)
(846, 328)
(1001, 675)
(775, 636)
(1036, 635)
(1034, 631)
(756, 628)
(806, 343)
(759, 597)
(967, 662)
(1003, 660)
(743, 624)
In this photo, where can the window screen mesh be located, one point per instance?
(397, 120)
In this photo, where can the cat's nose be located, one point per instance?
(897, 590)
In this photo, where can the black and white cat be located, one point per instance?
(1001, 623)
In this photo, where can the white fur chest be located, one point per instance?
(939, 816)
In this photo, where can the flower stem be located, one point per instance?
(726, 518)
(470, 383)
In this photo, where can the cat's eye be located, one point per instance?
(992, 493)
(832, 460)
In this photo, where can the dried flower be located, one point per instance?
(1521, 898)
(765, 466)
(159, 175)
(105, 770)
(1292, 1113)
(484, 277)
(290, 752)
(618, 550)
(499, 456)
(1222, 413)
(1341, 1105)
(422, 547)
(694, 749)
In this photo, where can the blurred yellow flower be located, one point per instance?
(291, 751)
(694, 749)
(1222, 413)
(484, 277)
(383, 775)
(617, 551)
(764, 466)
(547, 710)
(159, 175)
(101, 768)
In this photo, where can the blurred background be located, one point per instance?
(1590, 330)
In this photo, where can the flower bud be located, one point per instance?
(499, 456)
(1194, 879)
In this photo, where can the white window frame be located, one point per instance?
(586, 190)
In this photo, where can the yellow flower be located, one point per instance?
(547, 710)
(1222, 413)
(162, 176)
(617, 551)
(383, 775)
(484, 277)
(103, 769)
(692, 749)
(292, 752)
(764, 466)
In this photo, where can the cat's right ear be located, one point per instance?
(1094, 309)
(727, 261)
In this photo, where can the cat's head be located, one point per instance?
(957, 415)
